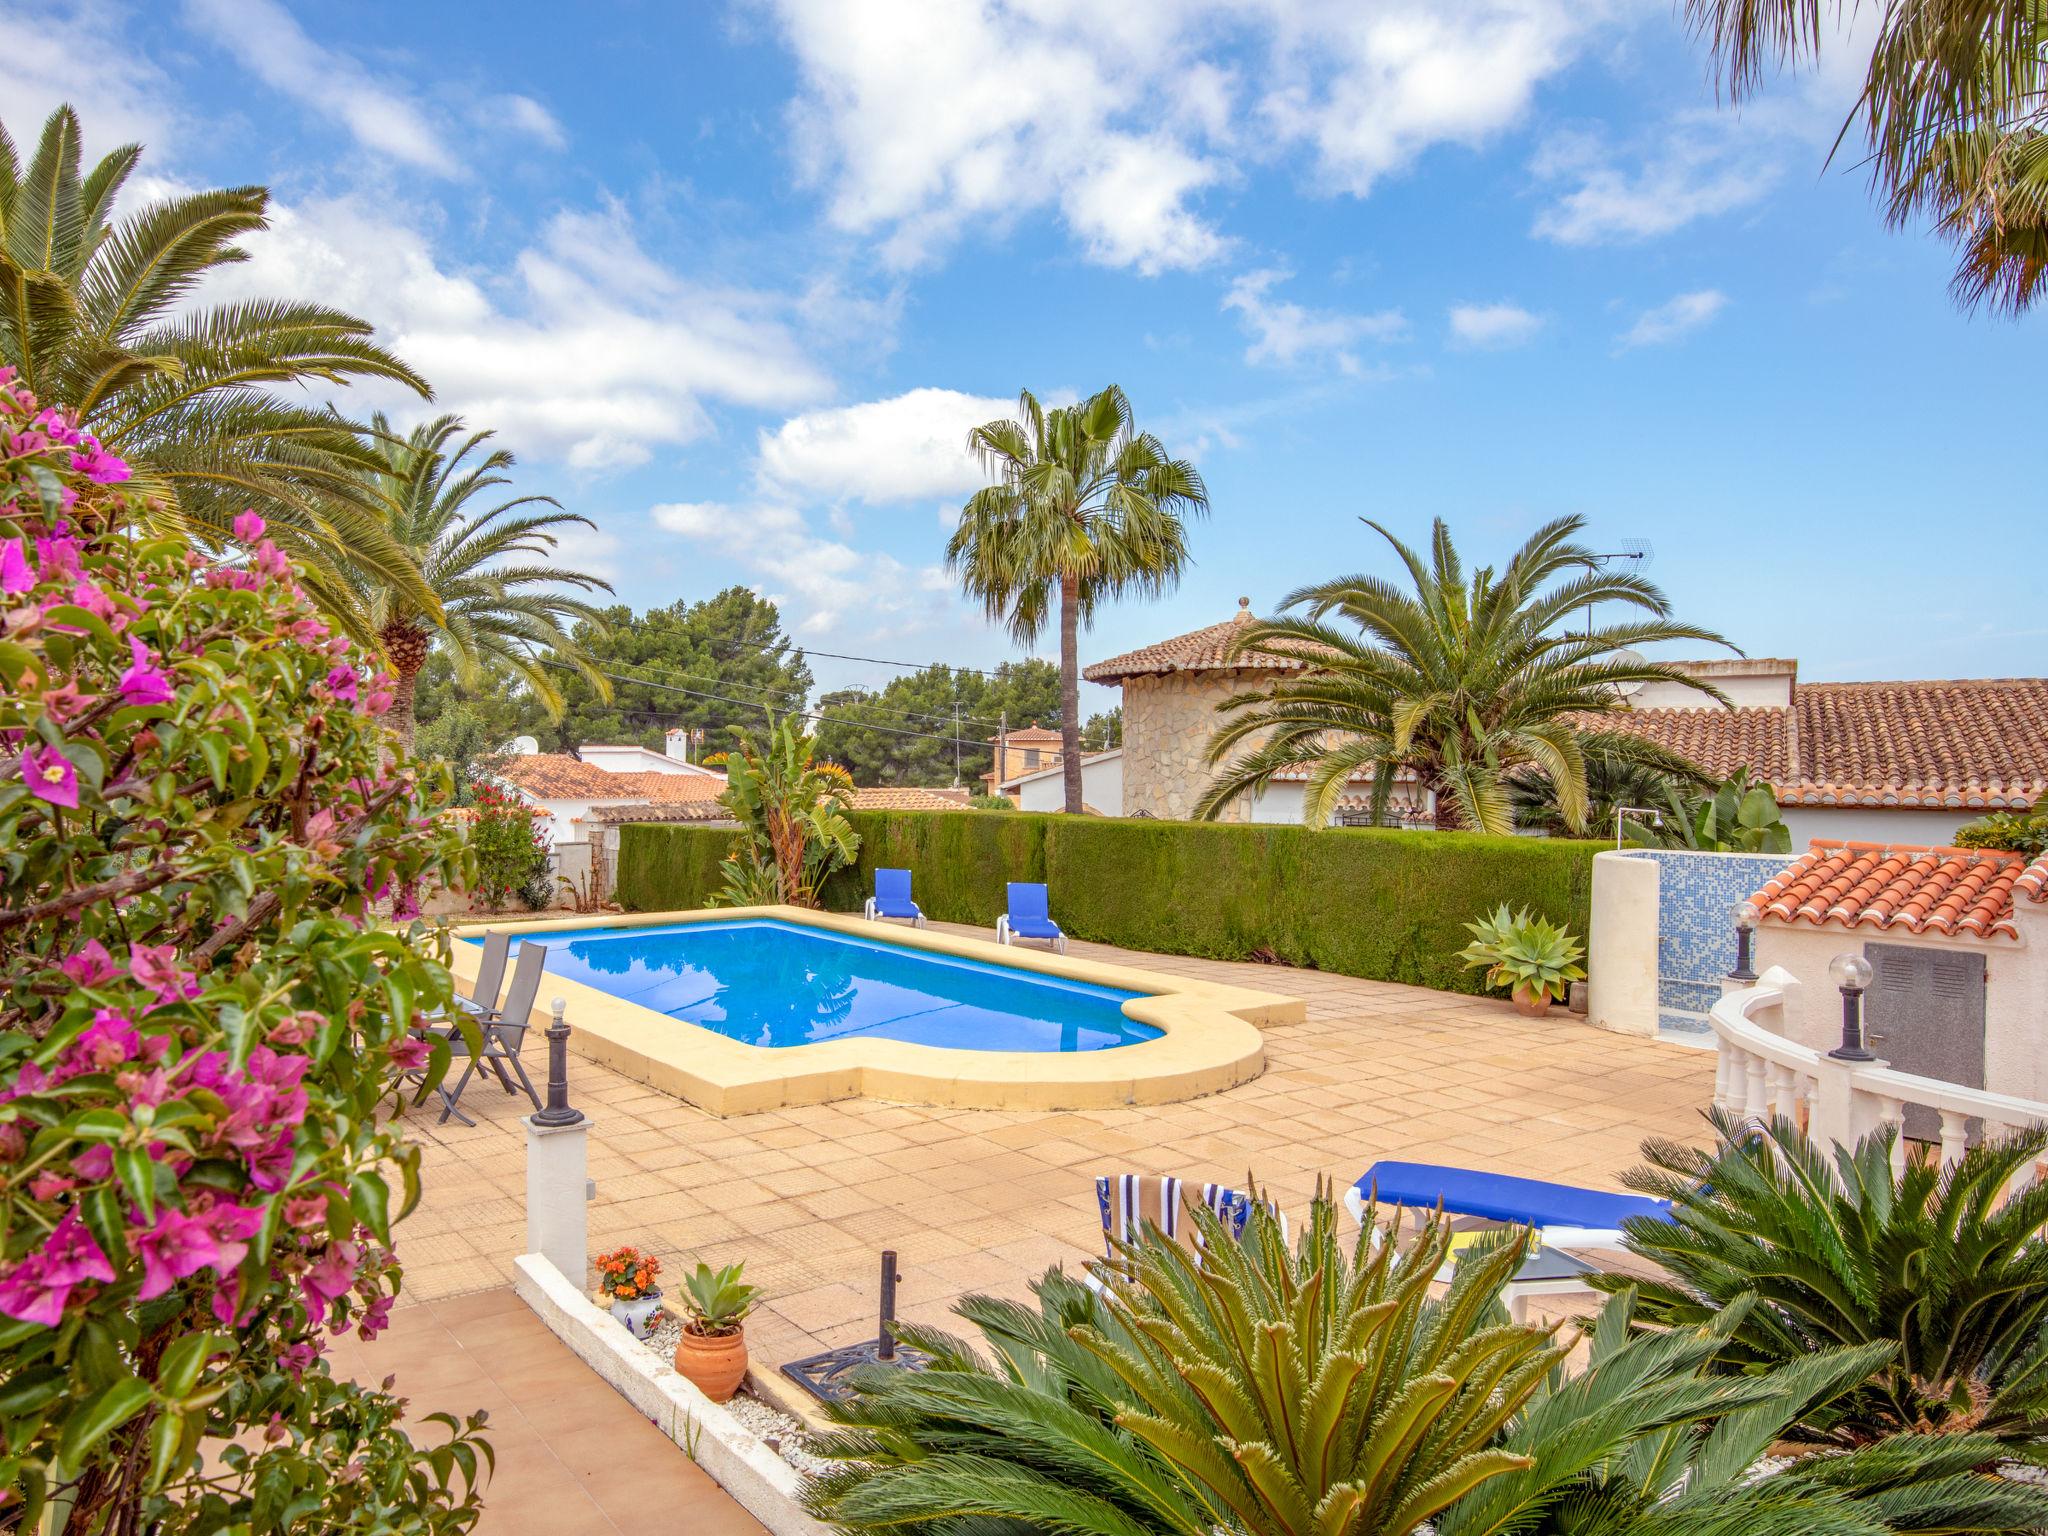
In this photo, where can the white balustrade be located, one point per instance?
(1761, 1072)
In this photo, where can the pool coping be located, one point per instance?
(1209, 1038)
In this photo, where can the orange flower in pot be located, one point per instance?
(712, 1352)
(626, 1276)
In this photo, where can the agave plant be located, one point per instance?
(792, 815)
(1258, 1390)
(1650, 1439)
(1531, 956)
(1841, 1250)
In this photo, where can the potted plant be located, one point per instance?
(1536, 959)
(712, 1352)
(626, 1276)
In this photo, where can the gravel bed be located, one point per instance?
(777, 1430)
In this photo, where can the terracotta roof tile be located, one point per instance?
(1974, 745)
(2033, 880)
(1201, 650)
(1884, 886)
(683, 810)
(903, 797)
(1034, 732)
(557, 776)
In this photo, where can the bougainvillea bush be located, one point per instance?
(201, 815)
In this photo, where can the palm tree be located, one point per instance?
(1085, 507)
(792, 815)
(1621, 770)
(1467, 684)
(484, 609)
(94, 318)
(1954, 113)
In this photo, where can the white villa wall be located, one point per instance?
(565, 817)
(1766, 685)
(1102, 787)
(1875, 824)
(2015, 991)
(627, 759)
(1621, 951)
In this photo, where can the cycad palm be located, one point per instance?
(486, 603)
(91, 318)
(1954, 114)
(1467, 683)
(1085, 508)
(1262, 1391)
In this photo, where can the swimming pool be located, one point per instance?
(763, 982)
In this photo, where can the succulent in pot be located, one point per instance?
(1535, 959)
(626, 1276)
(712, 1351)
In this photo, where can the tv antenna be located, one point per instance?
(1632, 554)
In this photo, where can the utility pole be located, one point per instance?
(1002, 753)
(956, 733)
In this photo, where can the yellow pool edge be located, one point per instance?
(1209, 1037)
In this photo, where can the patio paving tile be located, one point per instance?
(573, 1456)
(987, 1199)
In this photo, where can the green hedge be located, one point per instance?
(1381, 904)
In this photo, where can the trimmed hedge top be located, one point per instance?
(1382, 904)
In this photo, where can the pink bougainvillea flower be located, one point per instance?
(35, 1290)
(15, 574)
(156, 967)
(341, 682)
(296, 1029)
(272, 561)
(59, 426)
(108, 1041)
(48, 1186)
(375, 1319)
(332, 1275)
(248, 527)
(144, 682)
(94, 1163)
(180, 1245)
(65, 703)
(50, 776)
(378, 702)
(305, 1210)
(58, 557)
(410, 1054)
(100, 467)
(91, 965)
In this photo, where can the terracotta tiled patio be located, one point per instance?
(574, 1458)
(982, 1200)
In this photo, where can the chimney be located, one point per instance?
(677, 743)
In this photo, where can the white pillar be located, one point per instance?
(557, 1182)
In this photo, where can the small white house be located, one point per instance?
(1045, 789)
(569, 789)
(1957, 942)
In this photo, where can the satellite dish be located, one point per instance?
(1634, 685)
(525, 746)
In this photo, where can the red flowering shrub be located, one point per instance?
(199, 805)
(509, 839)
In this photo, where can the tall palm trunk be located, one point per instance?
(406, 647)
(1070, 690)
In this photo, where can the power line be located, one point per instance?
(864, 703)
(801, 714)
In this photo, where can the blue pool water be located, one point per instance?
(775, 984)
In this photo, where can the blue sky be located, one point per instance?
(734, 280)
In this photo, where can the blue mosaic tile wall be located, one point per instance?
(1696, 895)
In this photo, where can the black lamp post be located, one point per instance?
(1745, 939)
(558, 1110)
(1851, 973)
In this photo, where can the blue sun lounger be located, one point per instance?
(1027, 917)
(892, 897)
(1566, 1215)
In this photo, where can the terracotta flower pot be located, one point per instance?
(1528, 1000)
(715, 1365)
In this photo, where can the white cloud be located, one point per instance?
(1371, 87)
(1676, 318)
(909, 447)
(265, 39)
(923, 123)
(1700, 169)
(1493, 325)
(50, 56)
(830, 579)
(589, 350)
(524, 115)
(1286, 333)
